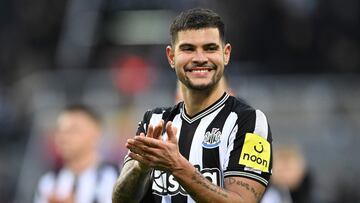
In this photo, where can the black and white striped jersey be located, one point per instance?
(229, 138)
(94, 185)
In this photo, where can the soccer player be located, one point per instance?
(209, 148)
(83, 176)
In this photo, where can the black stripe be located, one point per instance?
(149, 197)
(187, 134)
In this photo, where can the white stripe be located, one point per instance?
(261, 125)
(244, 174)
(155, 119)
(190, 120)
(86, 186)
(166, 199)
(177, 122)
(65, 181)
(225, 134)
(106, 184)
(252, 170)
(145, 128)
(230, 146)
(196, 150)
(46, 187)
(190, 200)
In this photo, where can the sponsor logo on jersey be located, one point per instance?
(255, 153)
(165, 184)
(212, 139)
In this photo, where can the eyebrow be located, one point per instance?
(214, 45)
(187, 45)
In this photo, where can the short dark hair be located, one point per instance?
(78, 107)
(195, 19)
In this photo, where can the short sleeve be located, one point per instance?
(251, 149)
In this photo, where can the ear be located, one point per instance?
(227, 52)
(170, 56)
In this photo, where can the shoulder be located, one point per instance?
(239, 106)
(51, 174)
(248, 116)
(47, 177)
(47, 181)
(162, 112)
(168, 109)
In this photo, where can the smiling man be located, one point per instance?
(211, 147)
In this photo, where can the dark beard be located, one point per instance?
(206, 87)
(200, 88)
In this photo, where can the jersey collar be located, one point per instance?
(206, 111)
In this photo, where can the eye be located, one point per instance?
(187, 48)
(211, 48)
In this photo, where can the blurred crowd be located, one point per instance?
(54, 52)
(276, 36)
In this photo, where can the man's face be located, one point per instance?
(199, 57)
(76, 135)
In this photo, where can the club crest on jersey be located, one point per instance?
(212, 139)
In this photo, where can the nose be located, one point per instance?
(199, 57)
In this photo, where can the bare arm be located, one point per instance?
(131, 184)
(236, 189)
(135, 176)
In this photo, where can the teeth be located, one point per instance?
(200, 71)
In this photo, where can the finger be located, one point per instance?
(158, 129)
(134, 147)
(171, 132)
(146, 142)
(143, 147)
(139, 158)
(150, 132)
(142, 134)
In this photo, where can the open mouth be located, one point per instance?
(199, 70)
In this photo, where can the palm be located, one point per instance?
(153, 150)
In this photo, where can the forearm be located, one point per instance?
(201, 189)
(131, 184)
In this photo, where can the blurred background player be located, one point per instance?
(82, 177)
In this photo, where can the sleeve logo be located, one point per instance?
(255, 153)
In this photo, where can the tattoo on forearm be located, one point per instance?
(245, 185)
(130, 186)
(122, 192)
(201, 180)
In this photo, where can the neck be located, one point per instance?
(196, 101)
(82, 163)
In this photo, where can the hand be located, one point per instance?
(154, 152)
(152, 132)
